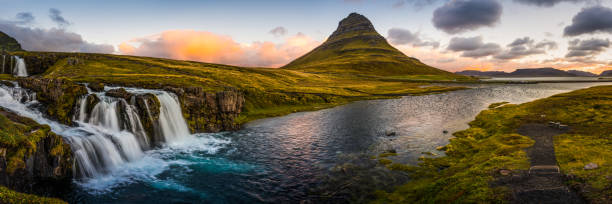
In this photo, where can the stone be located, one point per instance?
(390, 133)
(445, 131)
(119, 93)
(591, 166)
(58, 95)
(7, 83)
(96, 87)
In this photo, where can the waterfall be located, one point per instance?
(20, 67)
(110, 135)
(173, 125)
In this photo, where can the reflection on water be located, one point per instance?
(281, 159)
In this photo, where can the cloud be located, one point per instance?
(278, 31)
(54, 39)
(56, 16)
(24, 18)
(416, 4)
(210, 47)
(547, 3)
(464, 15)
(587, 49)
(399, 36)
(523, 47)
(473, 47)
(597, 19)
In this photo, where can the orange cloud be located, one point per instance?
(209, 47)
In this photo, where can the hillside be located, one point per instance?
(606, 73)
(355, 47)
(268, 92)
(8, 44)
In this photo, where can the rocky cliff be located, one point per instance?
(32, 158)
(59, 96)
(210, 112)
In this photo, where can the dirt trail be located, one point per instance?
(543, 183)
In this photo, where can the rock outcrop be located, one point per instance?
(210, 112)
(33, 159)
(59, 96)
(148, 110)
(120, 93)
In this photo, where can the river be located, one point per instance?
(282, 159)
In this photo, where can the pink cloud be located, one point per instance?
(209, 47)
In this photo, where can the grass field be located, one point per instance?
(491, 143)
(269, 92)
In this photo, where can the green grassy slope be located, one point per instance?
(269, 92)
(356, 48)
(475, 155)
(8, 44)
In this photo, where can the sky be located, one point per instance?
(449, 34)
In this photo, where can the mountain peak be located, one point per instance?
(356, 47)
(354, 22)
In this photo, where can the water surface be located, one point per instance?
(281, 159)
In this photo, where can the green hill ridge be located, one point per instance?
(355, 47)
(8, 44)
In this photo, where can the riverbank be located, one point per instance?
(491, 149)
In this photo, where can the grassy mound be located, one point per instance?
(475, 155)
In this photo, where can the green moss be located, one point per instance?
(490, 144)
(9, 196)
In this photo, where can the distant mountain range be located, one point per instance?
(534, 72)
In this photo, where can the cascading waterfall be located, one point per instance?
(173, 125)
(20, 67)
(103, 140)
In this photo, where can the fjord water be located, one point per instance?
(270, 160)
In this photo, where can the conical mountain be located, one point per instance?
(8, 44)
(356, 47)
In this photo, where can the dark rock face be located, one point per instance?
(148, 111)
(37, 167)
(59, 96)
(354, 22)
(96, 87)
(120, 93)
(209, 112)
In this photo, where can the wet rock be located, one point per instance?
(148, 110)
(7, 83)
(390, 133)
(209, 112)
(591, 166)
(58, 95)
(38, 167)
(119, 93)
(445, 131)
(96, 87)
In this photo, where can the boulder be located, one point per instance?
(96, 87)
(58, 95)
(390, 133)
(119, 93)
(148, 111)
(38, 165)
(209, 112)
(7, 83)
